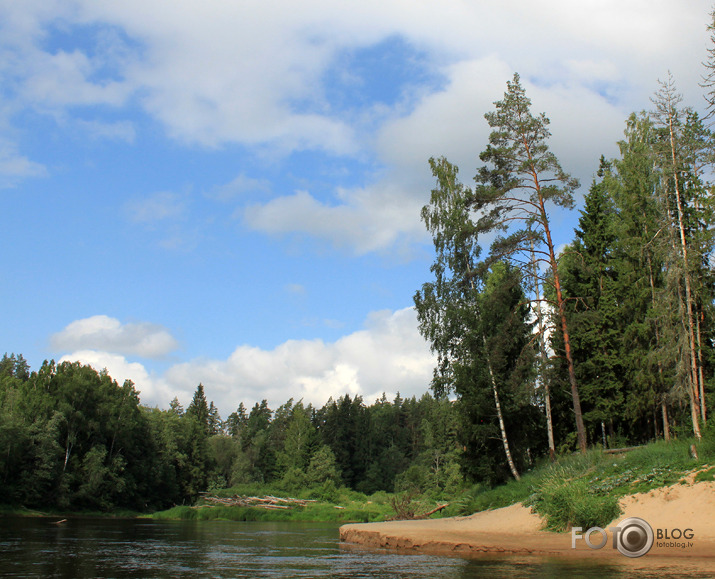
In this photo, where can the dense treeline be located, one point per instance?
(608, 341)
(73, 438)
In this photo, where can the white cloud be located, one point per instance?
(388, 355)
(103, 333)
(63, 79)
(218, 72)
(367, 219)
(385, 213)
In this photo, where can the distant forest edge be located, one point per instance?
(607, 342)
(72, 438)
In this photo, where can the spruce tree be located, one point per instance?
(592, 308)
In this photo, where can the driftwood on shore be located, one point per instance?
(267, 502)
(410, 516)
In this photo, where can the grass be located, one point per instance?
(584, 489)
(343, 505)
(577, 490)
(706, 475)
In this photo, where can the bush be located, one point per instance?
(326, 492)
(565, 504)
(293, 480)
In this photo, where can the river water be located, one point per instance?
(34, 547)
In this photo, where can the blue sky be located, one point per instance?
(229, 192)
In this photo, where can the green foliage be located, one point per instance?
(315, 512)
(706, 475)
(323, 467)
(588, 278)
(565, 504)
(482, 497)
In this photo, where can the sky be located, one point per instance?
(228, 192)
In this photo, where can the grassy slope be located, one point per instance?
(583, 490)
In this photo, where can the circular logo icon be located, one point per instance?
(635, 538)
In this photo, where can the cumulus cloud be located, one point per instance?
(219, 72)
(103, 333)
(367, 219)
(385, 214)
(387, 355)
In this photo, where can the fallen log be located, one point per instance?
(408, 516)
(432, 512)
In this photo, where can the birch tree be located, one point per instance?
(448, 309)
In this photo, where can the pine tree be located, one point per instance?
(681, 152)
(521, 178)
(708, 82)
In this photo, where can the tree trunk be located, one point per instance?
(686, 275)
(68, 451)
(504, 439)
(580, 428)
(666, 427)
(703, 410)
(542, 348)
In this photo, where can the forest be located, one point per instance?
(72, 438)
(541, 350)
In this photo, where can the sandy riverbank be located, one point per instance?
(515, 530)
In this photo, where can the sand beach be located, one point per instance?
(516, 531)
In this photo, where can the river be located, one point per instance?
(34, 547)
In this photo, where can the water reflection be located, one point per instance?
(145, 548)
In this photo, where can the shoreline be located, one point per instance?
(515, 531)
